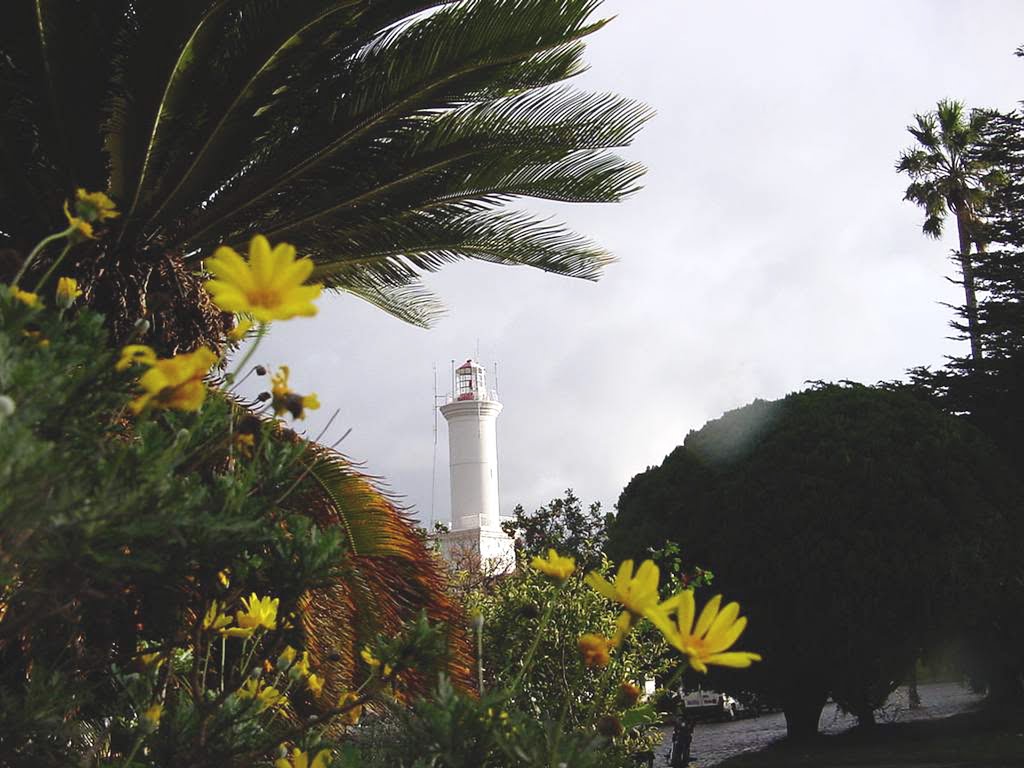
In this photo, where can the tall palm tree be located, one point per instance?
(380, 137)
(949, 175)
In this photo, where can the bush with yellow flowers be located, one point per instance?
(157, 553)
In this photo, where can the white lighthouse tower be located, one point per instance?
(476, 537)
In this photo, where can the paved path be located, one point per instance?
(715, 742)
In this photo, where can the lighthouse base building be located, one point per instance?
(490, 552)
(475, 540)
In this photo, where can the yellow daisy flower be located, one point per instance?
(259, 612)
(351, 715)
(215, 619)
(315, 684)
(638, 593)
(151, 717)
(153, 660)
(555, 566)
(266, 696)
(374, 662)
(238, 332)
(269, 286)
(175, 383)
(595, 650)
(134, 354)
(80, 225)
(715, 632)
(27, 298)
(37, 337)
(94, 206)
(285, 401)
(301, 759)
(67, 292)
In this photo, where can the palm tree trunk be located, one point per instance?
(967, 270)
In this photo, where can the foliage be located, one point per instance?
(856, 527)
(380, 137)
(540, 703)
(511, 615)
(457, 731)
(989, 392)
(123, 539)
(950, 174)
(562, 525)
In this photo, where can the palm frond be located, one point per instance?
(53, 56)
(462, 53)
(268, 51)
(408, 301)
(425, 242)
(389, 574)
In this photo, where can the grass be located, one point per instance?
(979, 739)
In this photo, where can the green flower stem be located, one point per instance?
(560, 729)
(223, 653)
(480, 656)
(56, 263)
(248, 658)
(678, 674)
(135, 748)
(206, 664)
(230, 378)
(35, 251)
(601, 692)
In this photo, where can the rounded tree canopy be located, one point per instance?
(855, 525)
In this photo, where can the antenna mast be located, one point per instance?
(433, 465)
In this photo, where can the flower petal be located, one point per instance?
(647, 576)
(600, 585)
(261, 261)
(726, 638)
(667, 627)
(227, 265)
(725, 619)
(685, 611)
(737, 659)
(707, 616)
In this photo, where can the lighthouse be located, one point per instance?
(475, 538)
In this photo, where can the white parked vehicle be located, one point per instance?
(710, 704)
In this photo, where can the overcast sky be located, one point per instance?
(769, 247)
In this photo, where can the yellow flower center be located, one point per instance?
(264, 296)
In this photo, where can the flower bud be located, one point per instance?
(150, 720)
(6, 406)
(67, 292)
(627, 696)
(141, 326)
(609, 725)
(260, 370)
(530, 611)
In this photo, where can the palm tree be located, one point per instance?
(948, 175)
(380, 137)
